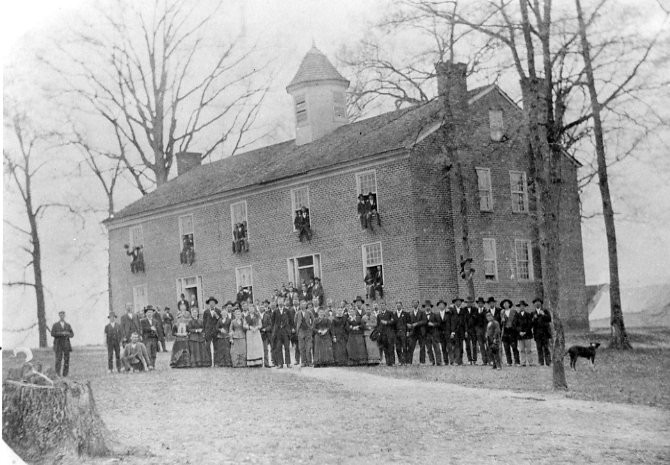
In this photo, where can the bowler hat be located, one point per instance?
(537, 299)
(361, 196)
(522, 303)
(210, 299)
(111, 315)
(502, 303)
(427, 303)
(149, 307)
(441, 301)
(359, 298)
(480, 299)
(491, 299)
(453, 301)
(229, 303)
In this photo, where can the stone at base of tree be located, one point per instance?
(50, 421)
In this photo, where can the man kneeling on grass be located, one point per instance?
(135, 355)
(493, 340)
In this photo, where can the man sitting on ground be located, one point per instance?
(135, 356)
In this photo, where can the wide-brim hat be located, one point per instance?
(427, 303)
(149, 307)
(480, 299)
(361, 196)
(441, 301)
(228, 303)
(210, 299)
(491, 299)
(502, 303)
(359, 298)
(537, 299)
(453, 301)
(522, 303)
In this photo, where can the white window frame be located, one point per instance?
(181, 230)
(492, 241)
(359, 175)
(366, 263)
(294, 269)
(301, 100)
(496, 124)
(294, 207)
(131, 237)
(514, 193)
(181, 289)
(232, 219)
(137, 306)
(237, 277)
(487, 173)
(529, 248)
(337, 105)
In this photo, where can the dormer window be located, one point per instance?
(339, 105)
(300, 110)
(496, 125)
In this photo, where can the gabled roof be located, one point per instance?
(315, 66)
(377, 135)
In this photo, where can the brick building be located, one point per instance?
(397, 156)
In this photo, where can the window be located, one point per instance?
(373, 269)
(485, 189)
(140, 297)
(186, 239)
(300, 110)
(245, 283)
(238, 216)
(302, 269)
(519, 190)
(490, 259)
(191, 287)
(339, 105)
(524, 262)
(300, 199)
(366, 183)
(136, 237)
(496, 125)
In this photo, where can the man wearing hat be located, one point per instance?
(399, 320)
(317, 291)
(444, 318)
(61, 331)
(113, 338)
(281, 333)
(362, 209)
(266, 332)
(150, 335)
(478, 327)
(372, 209)
(130, 323)
(210, 318)
(304, 323)
(433, 333)
(386, 339)
(493, 308)
(541, 323)
(416, 327)
(524, 330)
(459, 328)
(509, 336)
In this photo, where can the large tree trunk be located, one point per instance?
(36, 255)
(465, 229)
(46, 421)
(619, 336)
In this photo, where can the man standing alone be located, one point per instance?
(62, 332)
(113, 338)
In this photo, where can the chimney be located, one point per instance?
(452, 87)
(186, 161)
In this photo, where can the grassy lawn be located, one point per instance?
(641, 376)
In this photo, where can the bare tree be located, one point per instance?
(162, 83)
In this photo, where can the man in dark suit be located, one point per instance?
(362, 210)
(509, 333)
(266, 332)
(399, 320)
(478, 330)
(416, 327)
(433, 335)
(113, 338)
(444, 319)
(210, 318)
(541, 323)
(304, 324)
(459, 328)
(61, 331)
(386, 339)
(150, 335)
(130, 323)
(281, 333)
(470, 338)
(494, 309)
(182, 300)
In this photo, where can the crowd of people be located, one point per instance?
(297, 328)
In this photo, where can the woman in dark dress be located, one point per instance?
(222, 340)
(323, 340)
(196, 341)
(339, 332)
(181, 356)
(356, 350)
(238, 351)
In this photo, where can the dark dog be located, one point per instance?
(580, 351)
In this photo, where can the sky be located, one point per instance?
(75, 251)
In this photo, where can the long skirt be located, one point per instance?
(373, 350)
(199, 354)
(323, 350)
(238, 352)
(254, 349)
(222, 352)
(340, 351)
(358, 355)
(181, 356)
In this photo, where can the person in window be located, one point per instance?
(317, 291)
(182, 300)
(379, 282)
(362, 209)
(372, 212)
(305, 293)
(242, 295)
(139, 266)
(240, 243)
(187, 255)
(370, 284)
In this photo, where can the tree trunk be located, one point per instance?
(44, 421)
(619, 338)
(36, 254)
(465, 226)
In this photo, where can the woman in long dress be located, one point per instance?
(196, 341)
(222, 340)
(181, 355)
(238, 351)
(356, 351)
(323, 341)
(370, 323)
(339, 332)
(254, 339)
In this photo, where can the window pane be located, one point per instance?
(367, 183)
(305, 261)
(186, 223)
(244, 277)
(496, 124)
(373, 254)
